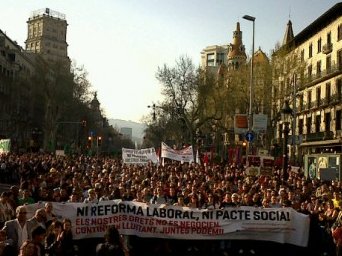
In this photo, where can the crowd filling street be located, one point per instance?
(47, 178)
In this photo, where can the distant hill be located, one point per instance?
(137, 128)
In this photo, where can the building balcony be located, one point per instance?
(336, 98)
(327, 135)
(327, 48)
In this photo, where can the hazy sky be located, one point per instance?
(121, 43)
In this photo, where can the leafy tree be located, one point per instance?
(189, 99)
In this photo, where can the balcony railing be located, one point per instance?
(327, 135)
(331, 100)
(327, 48)
(309, 79)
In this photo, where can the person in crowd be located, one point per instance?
(6, 210)
(16, 229)
(14, 196)
(91, 198)
(210, 203)
(274, 202)
(28, 249)
(112, 245)
(53, 239)
(50, 216)
(227, 200)
(172, 195)
(39, 219)
(180, 201)
(336, 233)
(66, 238)
(38, 238)
(193, 201)
(26, 198)
(43, 195)
(56, 195)
(235, 199)
(6, 245)
(159, 196)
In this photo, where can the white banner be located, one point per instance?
(139, 156)
(283, 225)
(183, 155)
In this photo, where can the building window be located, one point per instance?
(300, 126)
(328, 64)
(302, 56)
(327, 118)
(308, 125)
(338, 120)
(319, 68)
(339, 32)
(329, 38)
(220, 58)
(339, 89)
(310, 50)
(327, 91)
(318, 96)
(309, 99)
(318, 123)
(211, 59)
(319, 45)
(339, 59)
(301, 102)
(309, 72)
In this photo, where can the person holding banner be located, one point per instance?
(159, 197)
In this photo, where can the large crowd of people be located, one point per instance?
(48, 178)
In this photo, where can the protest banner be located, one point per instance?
(282, 225)
(184, 155)
(139, 156)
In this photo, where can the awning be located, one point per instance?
(321, 142)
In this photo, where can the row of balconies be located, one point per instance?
(309, 79)
(310, 137)
(332, 100)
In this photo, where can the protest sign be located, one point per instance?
(282, 225)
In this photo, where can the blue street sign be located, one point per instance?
(249, 136)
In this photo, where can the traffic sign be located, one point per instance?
(249, 136)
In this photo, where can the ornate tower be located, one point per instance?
(288, 37)
(236, 50)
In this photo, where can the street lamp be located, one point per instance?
(250, 114)
(286, 114)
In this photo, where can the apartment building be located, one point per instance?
(314, 86)
(16, 67)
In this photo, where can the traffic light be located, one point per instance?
(99, 141)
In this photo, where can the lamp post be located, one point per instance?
(250, 114)
(286, 114)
